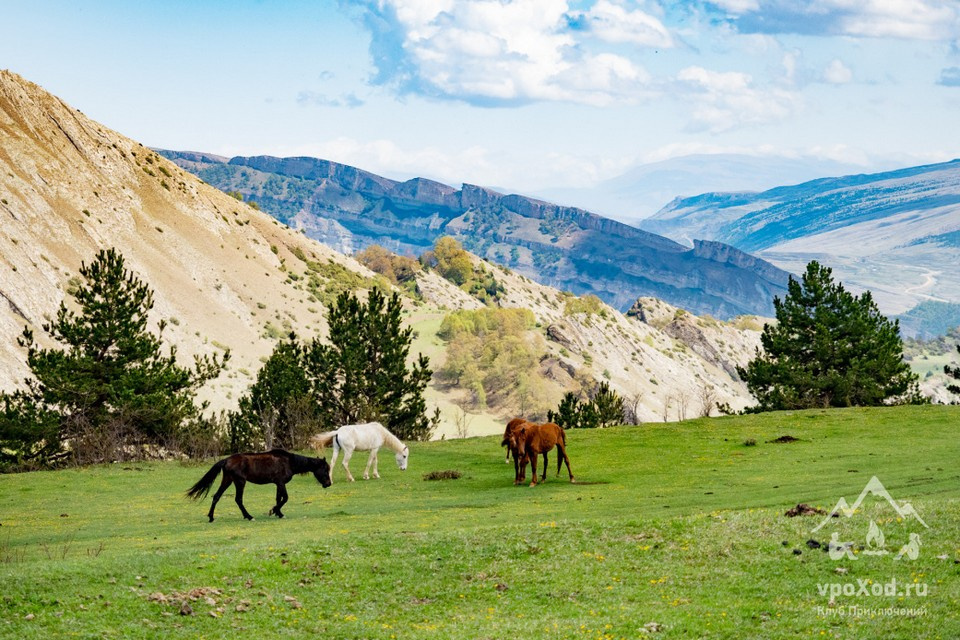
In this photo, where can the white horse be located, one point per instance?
(361, 437)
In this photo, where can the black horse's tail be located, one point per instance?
(202, 488)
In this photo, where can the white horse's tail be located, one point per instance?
(321, 441)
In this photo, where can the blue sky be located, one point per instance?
(524, 95)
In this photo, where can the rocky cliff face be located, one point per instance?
(564, 247)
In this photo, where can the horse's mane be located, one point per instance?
(391, 440)
(298, 463)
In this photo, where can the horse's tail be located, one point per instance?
(321, 441)
(202, 488)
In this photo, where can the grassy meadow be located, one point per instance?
(671, 531)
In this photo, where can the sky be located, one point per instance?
(524, 95)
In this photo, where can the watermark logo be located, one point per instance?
(875, 543)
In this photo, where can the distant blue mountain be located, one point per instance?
(896, 233)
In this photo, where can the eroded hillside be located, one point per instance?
(220, 270)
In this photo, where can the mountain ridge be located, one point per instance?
(565, 247)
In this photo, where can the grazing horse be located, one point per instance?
(534, 439)
(276, 466)
(510, 442)
(361, 437)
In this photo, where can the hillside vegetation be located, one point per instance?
(678, 525)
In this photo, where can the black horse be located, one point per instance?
(276, 466)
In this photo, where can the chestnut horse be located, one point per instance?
(534, 439)
(276, 466)
(510, 442)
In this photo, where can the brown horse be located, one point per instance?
(510, 442)
(277, 467)
(534, 439)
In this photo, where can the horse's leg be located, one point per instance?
(347, 454)
(533, 470)
(543, 476)
(275, 509)
(224, 483)
(240, 482)
(333, 460)
(281, 499)
(516, 467)
(563, 456)
(372, 460)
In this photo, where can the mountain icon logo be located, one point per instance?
(875, 540)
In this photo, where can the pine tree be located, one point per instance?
(362, 375)
(277, 411)
(567, 414)
(110, 372)
(828, 348)
(571, 413)
(608, 404)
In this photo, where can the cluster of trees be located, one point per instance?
(604, 408)
(399, 270)
(360, 375)
(109, 387)
(453, 262)
(494, 353)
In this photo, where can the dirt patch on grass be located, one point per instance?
(803, 509)
(449, 474)
(784, 440)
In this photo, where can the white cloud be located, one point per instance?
(728, 100)
(500, 53)
(612, 22)
(837, 73)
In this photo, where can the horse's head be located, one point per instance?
(518, 441)
(322, 472)
(402, 457)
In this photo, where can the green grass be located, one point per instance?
(678, 524)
